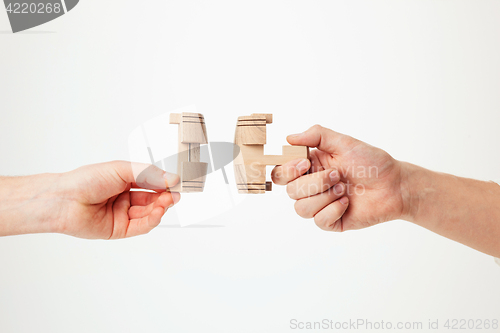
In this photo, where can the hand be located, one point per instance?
(352, 185)
(96, 201)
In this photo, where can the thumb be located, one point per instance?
(146, 176)
(324, 139)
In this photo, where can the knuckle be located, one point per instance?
(317, 127)
(321, 221)
(338, 226)
(313, 188)
(335, 191)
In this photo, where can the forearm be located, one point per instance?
(462, 209)
(28, 204)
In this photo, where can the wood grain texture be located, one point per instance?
(250, 162)
(193, 129)
(252, 134)
(194, 172)
(192, 133)
(267, 116)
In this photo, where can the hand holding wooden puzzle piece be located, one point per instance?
(249, 160)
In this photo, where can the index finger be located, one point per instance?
(324, 139)
(283, 174)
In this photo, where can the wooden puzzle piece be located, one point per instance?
(192, 133)
(250, 162)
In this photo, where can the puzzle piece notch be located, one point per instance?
(250, 163)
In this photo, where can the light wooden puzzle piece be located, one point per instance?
(192, 133)
(250, 162)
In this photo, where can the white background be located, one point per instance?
(420, 79)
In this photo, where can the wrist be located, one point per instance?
(29, 204)
(412, 179)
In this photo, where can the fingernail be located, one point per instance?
(170, 179)
(344, 201)
(171, 205)
(339, 188)
(176, 197)
(335, 176)
(303, 165)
